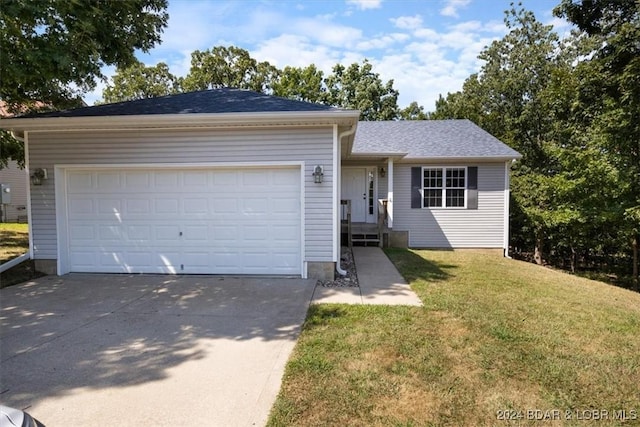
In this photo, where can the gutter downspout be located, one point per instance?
(338, 183)
(507, 200)
(15, 135)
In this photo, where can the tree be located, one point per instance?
(52, 51)
(139, 81)
(413, 111)
(609, 94)
(229, 67)
(302, 84)
(510, 99)
(358, 87)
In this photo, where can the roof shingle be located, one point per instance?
(223, 100)
(422, 139)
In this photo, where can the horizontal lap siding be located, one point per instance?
(16, 178)
(311, 145)
(453, 228)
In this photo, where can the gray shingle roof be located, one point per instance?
(224, 100)
(422, 139)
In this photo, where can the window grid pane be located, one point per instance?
(455, 178)
(432, 198)
(433, 178)
(455, 198)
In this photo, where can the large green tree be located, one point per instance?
(608, 102)
(231, 66)
(52, 51)
(510, 98)
(358, 87)
(139, 81)
(302, 84)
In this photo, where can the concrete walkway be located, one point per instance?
(380, 283)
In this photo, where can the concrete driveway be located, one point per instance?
(148, 350)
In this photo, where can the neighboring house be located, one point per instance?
(222, 182)
(13, 186)
(14, 201)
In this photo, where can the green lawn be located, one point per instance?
(14, 240)
(496, 338)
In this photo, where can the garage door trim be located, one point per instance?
(61, 202)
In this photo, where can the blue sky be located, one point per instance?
(427, 47)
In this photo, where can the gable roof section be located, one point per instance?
(209, 108)
(429, 139)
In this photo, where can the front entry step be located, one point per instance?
(365, 239)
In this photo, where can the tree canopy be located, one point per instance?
(52, 51)
(139, 81)
(356, 86)
(572, 108)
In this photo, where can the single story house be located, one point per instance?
(230, 181)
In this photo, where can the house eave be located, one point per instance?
(379, 156)
(343, 118)
(460, 159)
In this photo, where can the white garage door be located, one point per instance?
(199, 221)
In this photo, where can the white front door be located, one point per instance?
(354, 188)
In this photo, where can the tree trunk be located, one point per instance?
(537, 251)
(636, 279)
(574, 258)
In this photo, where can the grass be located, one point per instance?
(494, 335)
(14, 241)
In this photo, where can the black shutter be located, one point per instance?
(472, 187)
(416, 186)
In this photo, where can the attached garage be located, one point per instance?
(217, 181)
(183, 220)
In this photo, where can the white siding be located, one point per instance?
(453, 228)
(310, 145)
(17, 179)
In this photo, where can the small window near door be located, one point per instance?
(370, 195)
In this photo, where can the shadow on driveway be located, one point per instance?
(138, 349)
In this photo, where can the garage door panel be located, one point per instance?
(244, 221)
(137, 180)
(196, 206)
(82, 232)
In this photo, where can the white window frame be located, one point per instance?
(444, 187)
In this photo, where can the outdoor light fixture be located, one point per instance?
(318, 174)
(38, 176)
(383, 172)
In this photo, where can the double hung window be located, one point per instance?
(444, 187)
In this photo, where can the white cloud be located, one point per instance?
(365, 4)
(407, 22)
(382, 42)
(326, 32)
(296, 51)
(452, 6)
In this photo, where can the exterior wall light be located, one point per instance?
(383, 173)
(318, 174)
(38, 176)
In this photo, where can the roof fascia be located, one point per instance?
(207, 120)
(381, 155)
(478, 159)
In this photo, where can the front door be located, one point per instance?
(354, 188)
